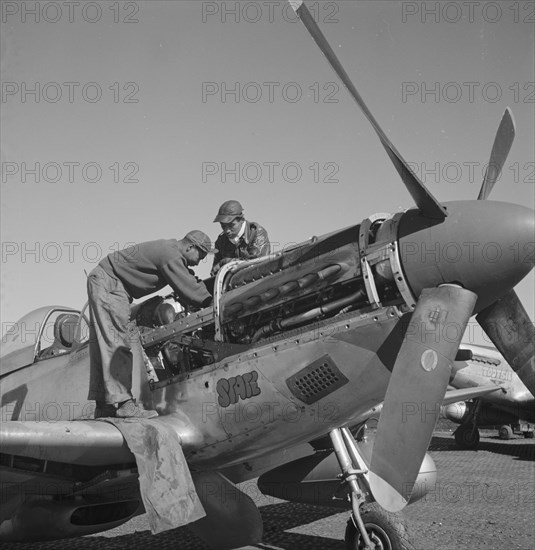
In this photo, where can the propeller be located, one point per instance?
(426, 202)
(505, 321)
(500, 149)
(422, 370)
(423, 366)
(509, 327)
(415, 392)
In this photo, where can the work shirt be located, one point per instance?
(253, 244)
(147, 267)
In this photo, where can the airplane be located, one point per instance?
(512, 406)
(298, 346)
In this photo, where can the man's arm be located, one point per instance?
(190, 290)
(218, 256)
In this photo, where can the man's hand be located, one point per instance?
(219, 265)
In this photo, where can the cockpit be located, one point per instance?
(46, 332)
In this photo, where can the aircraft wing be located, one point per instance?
(84, 442)
(68, 458)
(454, 396)
(106, 472)
(451, 396)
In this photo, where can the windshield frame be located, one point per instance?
(20, 345)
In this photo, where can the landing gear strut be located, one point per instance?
(467, 434)
(370, 526)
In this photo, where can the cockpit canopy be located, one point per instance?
(41, 334)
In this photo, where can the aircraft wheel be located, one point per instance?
(467, 437)
(505, 432)
(387, 531)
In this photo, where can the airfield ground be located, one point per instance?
(483, 499)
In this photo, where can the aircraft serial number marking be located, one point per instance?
(231, 389)
(497, 374)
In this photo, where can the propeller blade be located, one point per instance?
(500, 149)
(425, 201)
(415, 392)
(232, 518)
(509, 327)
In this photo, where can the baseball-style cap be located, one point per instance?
(228, 211)
(200, 240)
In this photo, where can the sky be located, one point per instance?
(124, 122)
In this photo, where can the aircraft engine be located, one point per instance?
(314, 480)
(48, 519)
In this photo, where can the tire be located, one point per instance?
(505, 432)
(528, 434)
(467, 437)
(386, 530)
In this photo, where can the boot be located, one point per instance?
(130, 409)
(105, 410)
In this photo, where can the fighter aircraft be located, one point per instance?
(511, 405)
(298, 346)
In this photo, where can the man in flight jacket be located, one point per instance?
(240, 238)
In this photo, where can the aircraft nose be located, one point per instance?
(485, 246)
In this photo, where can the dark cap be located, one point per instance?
(200, 240)
(228, 211)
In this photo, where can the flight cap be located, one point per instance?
(228, 211)
(200, 240)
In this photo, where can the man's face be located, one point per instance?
(194, 255)
(231, 229)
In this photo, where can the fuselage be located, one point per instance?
(241, 407)
(488, 366)
(298, 342)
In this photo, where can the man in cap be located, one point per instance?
(240, 238)
(135, 272)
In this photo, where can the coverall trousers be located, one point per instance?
(110, 337)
